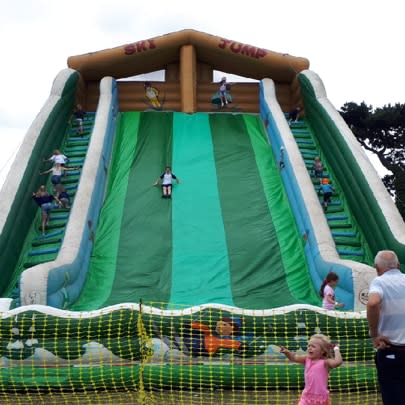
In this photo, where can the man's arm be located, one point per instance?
(373, 313)
(373, 316)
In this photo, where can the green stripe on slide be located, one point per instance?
(257, 273)
(144, 257)
(290, 242)
(103, 261)
(200, 261)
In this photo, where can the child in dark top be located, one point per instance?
(62, 197)
(166, 178)
(44, 201)
(294, 115)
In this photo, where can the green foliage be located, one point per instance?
(382, 131)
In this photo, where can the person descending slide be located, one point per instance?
(166, 178)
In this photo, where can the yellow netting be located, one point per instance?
(209, 354)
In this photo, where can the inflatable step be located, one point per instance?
(86, 132)
(337, 217)
(340, 225)
(49, 235)
(300, 129)
(338, 209)
(54, 225)
(87, 124)
(72, 173)
(71, 142)
(344, 234)
(298, 124)
(43, 251)
(353, 253)
(301, 135)
(306, 142)
(46, 242)
(76, 161)
(67, 181)
(335, 203)
(72, 138)
(309, 154)
(307, 148)
(57, 216)
(315, 180)
(71, 189)
(75, 152)
(347, 242)
(35, 260)
(75, 148)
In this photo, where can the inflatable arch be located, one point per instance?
(189, 58)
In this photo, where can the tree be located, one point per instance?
(382, 131)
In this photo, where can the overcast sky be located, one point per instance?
(355, 46)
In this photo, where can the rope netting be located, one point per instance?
(211, 354)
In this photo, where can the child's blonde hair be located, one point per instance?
(325, 343)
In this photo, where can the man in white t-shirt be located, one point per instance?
(386, 319)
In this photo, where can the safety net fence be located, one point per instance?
(207, 354)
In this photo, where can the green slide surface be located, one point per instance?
(200, 259)
(217, 240)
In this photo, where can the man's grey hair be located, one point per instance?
(386, 259)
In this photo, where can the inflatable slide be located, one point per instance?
(125, 278)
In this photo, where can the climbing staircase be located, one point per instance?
(40, 248)
(350, 243)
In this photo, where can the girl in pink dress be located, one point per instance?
(318, 361)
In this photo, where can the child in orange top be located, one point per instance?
(318, 362)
